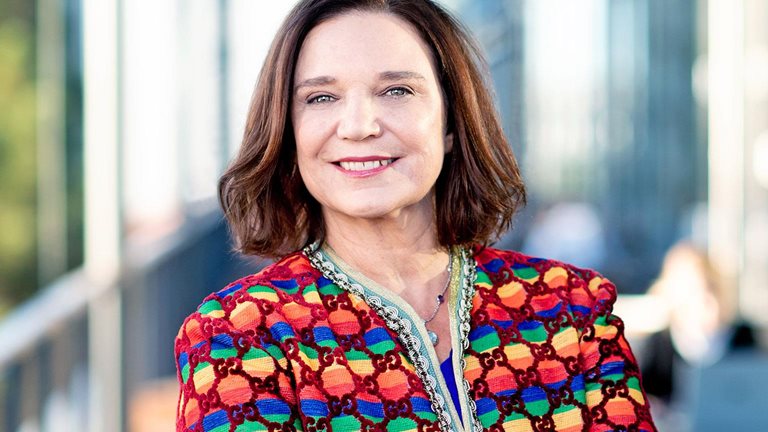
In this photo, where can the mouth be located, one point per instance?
(351, 165)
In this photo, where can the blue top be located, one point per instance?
(446, 368)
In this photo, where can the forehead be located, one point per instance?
(359, 41)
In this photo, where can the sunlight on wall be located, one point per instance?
(565, 48)
(186, 87)
(251, 27)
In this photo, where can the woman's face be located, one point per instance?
(369, 117)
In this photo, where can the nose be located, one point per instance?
(359, 119)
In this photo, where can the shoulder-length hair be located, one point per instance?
(477, 193)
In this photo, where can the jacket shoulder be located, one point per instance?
(254, 300)
(545, 284)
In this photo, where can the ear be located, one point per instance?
(448, 143)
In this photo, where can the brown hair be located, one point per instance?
(479, 189)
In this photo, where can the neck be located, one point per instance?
(399, 252)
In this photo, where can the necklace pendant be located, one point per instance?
(432, 337)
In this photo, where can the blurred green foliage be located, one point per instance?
(18, 234)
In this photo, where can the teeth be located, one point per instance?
(362, 166)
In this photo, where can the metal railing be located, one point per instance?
(48, 377)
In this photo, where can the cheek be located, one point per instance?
(306, 147)
(307, 175)
(303, 155)
(299, 125)
(308, 133)
(304, 162)
(310, 168)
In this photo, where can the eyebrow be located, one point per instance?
(316, 81)
(399, 75)
(385, 76)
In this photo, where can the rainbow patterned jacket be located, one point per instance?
(297, 348)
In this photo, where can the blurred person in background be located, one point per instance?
(702, 328)
(375, 170)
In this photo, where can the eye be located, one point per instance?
(320, 99)
(398, 91)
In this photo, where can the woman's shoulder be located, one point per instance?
(544, 283)
(283, 277)
(246, 300)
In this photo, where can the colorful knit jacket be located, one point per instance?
(294, 348)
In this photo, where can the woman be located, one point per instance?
(702, 328)
(374, 167)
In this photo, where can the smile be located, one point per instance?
(364, 166)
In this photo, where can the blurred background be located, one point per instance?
(641, 127)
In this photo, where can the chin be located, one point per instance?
(377, 209)
(372, 211)
(376, 204)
